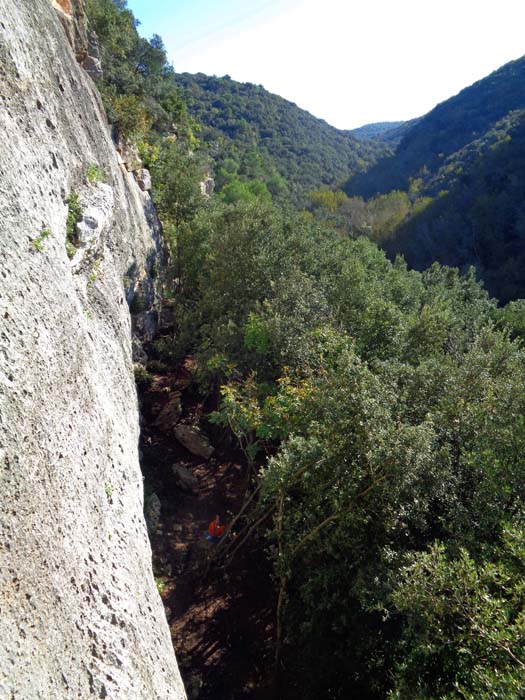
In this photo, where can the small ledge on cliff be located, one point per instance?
(97, 204)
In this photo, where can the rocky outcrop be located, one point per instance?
(83, 40)
(97, 204)
(152, 511)
(143, 178)
(129, 158)
(207, 186)
(80, 616)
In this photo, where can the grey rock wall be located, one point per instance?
(80, 616)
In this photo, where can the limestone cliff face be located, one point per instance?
(80, 616)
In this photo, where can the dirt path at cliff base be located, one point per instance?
(221, 624)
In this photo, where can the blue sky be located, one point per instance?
(347, 62)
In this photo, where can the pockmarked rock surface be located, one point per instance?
(80, 616)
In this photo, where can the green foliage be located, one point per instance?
(177, 173)
(327, 199)
(130, 116)
(143, 378)
(380, 130)
(167, 349)
(257, 334)
(392, 402)
(461, 167)
(447, 129)
(176, 188)
(160, 583)
(238, 191)
(108, 489)
(137, 304)
(148, 153)
(149, 113)
(74, 215)
(70, 249)
(240, 410)
(388, 400)
(137, 87)
(157, 367)
(240, 260)
(466, 616)
(380, 462)
(512, 317)
(94, 174)
(480, 220)
(379, 218)
(38, 242)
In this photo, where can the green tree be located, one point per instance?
(464, 636)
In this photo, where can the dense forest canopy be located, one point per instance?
(470, 212)
(381, 409)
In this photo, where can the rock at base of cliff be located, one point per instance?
(170, 415)
(184, 478)
(207, 187)
(194, 441)
(152, 512)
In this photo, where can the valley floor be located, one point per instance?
(221, 618)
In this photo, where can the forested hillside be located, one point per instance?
(252, 134)
(452, 191)
(447, 129)
(378, 411)
(478, 217)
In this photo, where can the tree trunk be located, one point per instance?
(280, 601)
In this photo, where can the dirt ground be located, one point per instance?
(221, 617)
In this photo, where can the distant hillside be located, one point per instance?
(448, 128)
(393, 137)
(462, 167)
(378, 130)
(478, 218)
(253, 134)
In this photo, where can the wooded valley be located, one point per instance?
(353, 310)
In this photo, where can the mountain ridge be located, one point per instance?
(376, 130)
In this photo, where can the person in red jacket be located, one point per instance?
(215, 530)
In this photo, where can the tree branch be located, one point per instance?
(336, 516)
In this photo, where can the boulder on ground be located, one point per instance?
(184, 478)
(170, 413)
(138, 355)
(194, 441)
